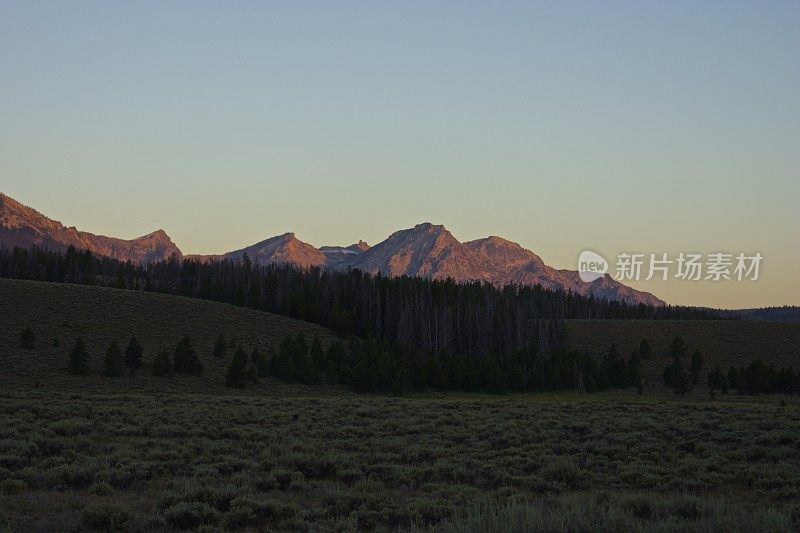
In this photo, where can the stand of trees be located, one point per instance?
(469, 319)
(755, 378)
(375, 366)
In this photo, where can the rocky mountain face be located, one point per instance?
(284, 248)
(22, 226)
(426, 250)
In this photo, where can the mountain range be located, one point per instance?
(426, 250)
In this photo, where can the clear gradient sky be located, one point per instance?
(636, 126)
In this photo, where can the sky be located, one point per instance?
(652, 127)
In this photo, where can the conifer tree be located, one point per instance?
(696, 366)
(162, 364)
(185, 358)
(27, 338)
(644, 349)
(634, 369)
(236, 375)
(259, 362)
(220, 347)
(112, 362)
(317, 355)
(677, 348)
(133, 355)
(78, 364)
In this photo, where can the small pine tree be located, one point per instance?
(644, 349)
(317, 356)
(677, 348)
(162, 364)
(237, 374)
(27, 339)
(260, 363)
(56, 342)
(220, 347)
(185, 358)
(133, 355)
(78, 364)
(112, 362)
(634, 369)
(696, 366)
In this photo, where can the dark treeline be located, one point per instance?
(372, 365)
(755, 378)
(428, 317)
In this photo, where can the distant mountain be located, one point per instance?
(426, 250)
(343, 256)
(22, 226)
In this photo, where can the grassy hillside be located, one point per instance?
(99, 314)
(722, 342)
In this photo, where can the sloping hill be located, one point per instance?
(98, 314)
(722, 342)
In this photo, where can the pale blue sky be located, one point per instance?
(638, 126)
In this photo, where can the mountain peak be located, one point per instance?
(21, 225)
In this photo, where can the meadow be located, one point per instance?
(337, 461)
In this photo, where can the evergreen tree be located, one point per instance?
(260, 363)
(220, 347)
(162, 364)
(27, 338)
(614, 368)
(78, 364)
(696, 366)
(634, 369)
(317, 355)
(644, 349)
(675, 376)
(237, 374)
(677, 348)
(133, 355)
(300, 368)
(56, 342)
(112, 362)
(185, 358)
(717, 380)
(733, 378)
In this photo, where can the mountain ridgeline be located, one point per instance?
(426, 250)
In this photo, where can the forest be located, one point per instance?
(419, 319)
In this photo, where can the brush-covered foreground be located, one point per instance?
(329, 460)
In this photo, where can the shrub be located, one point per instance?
(105, 517)
(190, 515)
(12, 486)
